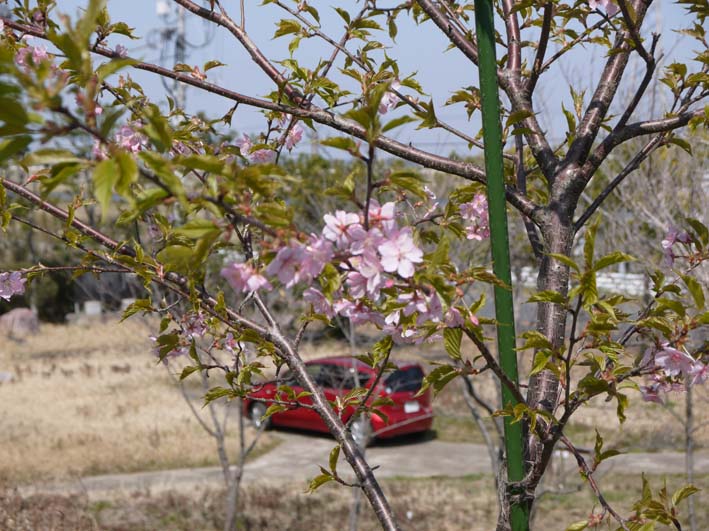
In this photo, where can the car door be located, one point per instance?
(299, 417)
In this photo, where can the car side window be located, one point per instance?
(290, 379)
(331, 376)
(409, 379)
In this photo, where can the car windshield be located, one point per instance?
(408, 379)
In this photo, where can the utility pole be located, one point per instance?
(180, 56)
(174, 28)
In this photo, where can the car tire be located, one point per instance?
(361, 431)
(256, 413)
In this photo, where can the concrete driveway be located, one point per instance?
(299, 456)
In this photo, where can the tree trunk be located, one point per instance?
(543, 392)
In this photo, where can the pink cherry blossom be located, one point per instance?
(399, 253)
(36, 53)
(287, 265)
(194, 325)
(341, 227)
(454, 318)
(475, 213)
(390, 99)
(244, 278)
(99, 151)
(382, 216)
(295, 135)
(259, 156)
(319, 301)
(699, 373)
(672, 361)
(318, 252)
(607, 5)
(651, 393)
(11, 283)
(673, 236)
(129, 138)
(121, 51)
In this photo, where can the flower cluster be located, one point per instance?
(372, 256)
(475, 213)
(673, 237)
(30, 56)
(608, 5)
(127, 137)
(258, 156)
(673, 370)
(390, 99)
(11, 283)
(244, 278)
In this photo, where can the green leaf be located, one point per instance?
(516, 117)
(565, 260)
(12, 146)
(187, 371)
(105, 178)
(216, 393)
(682, 493)
(111, 67)
(695, 289)
(548, 296)
(197, 228)
(616, 257)
(342, 142)
(140, 305)
(334, 456)
(396, 122)
(590, 243)
(47, 157)
(541, 358)
(273, 409)
(451, 339)
(212, 64)
(319, 481)
(578, 526)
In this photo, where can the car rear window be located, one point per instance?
(409, 379)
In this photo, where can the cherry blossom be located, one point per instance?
(121, 51)
(295, 135)
(244, 278)
(194, 325)
(319, 302)
(130, 139)
(390, 99)
(258, 156)
(399, 253)
(317, 252)
(99, 151)
(181, 349)
(698, 373)
(475, 212)
(287, 265)
(36, 53)
(341, 227)
(11, 283)
(673, 236)
(672, 361)
(608, 5)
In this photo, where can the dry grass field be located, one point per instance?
(90, 400)
(433, 504)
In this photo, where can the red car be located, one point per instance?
(336, 376)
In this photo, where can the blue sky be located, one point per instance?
(417, 48)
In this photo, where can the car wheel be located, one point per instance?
(361, 431)
(256, 413)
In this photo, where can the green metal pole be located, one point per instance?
(504, 310)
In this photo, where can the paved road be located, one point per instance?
(299, 456)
